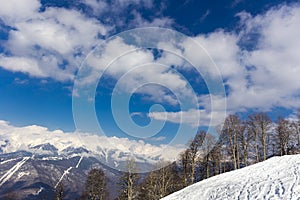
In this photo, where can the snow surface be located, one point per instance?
(276, 178)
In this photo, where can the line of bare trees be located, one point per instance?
(238, 144)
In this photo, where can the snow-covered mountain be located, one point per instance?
(27, 177)
(33, 160)
(111, 151)
(275, 178)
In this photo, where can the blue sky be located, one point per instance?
(44, 45)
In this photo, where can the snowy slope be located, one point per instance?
(276, 178)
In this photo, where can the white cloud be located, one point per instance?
(191, 117)
(45, 41)
(224, 51)
(274, 79)
(126, 13)
(160, 138)
(21, 64)
(98, 6)
(139, 21)
(14, 10)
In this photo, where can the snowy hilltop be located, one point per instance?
(275, 178)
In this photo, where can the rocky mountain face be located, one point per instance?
(24, 175)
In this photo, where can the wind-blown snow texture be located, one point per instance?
(276, 178)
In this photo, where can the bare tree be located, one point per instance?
(253, 130)
(186, 167)
(231, 133)
(222, 146)
(95, 185)
(283, 132)
(296, 129)
(259, 125)
(246, 138)
(207, 147)
(217, 158)
(129, 181)
(161, 182)
(194, 147)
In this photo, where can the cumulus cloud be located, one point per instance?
(21, 64)
(274, 64)
(54, 42)
(15, 11)
(51, 43)
(57, 40)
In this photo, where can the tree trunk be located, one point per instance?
(246, 155)
(264, 137)
(207, 166)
